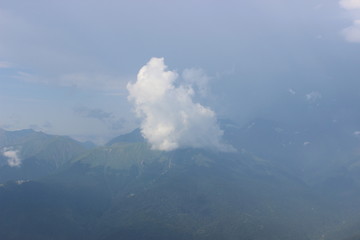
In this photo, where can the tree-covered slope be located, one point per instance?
(125, 190)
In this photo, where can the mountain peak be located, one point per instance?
(131, 137)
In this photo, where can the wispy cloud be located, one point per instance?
(313, 96)
(198, 79)
(291, 91)
(352, 33)
(4, 64)
(350, 4)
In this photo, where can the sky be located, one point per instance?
(65, 65)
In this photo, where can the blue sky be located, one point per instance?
(64, 65)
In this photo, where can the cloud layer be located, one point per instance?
(170, 117)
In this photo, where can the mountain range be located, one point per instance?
(282, 182)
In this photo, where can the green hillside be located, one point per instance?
(40, 154)
(124, 190)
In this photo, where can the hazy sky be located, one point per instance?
(64, 65)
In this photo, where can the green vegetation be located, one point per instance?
(125, 190)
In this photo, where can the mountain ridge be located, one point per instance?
(126, 190)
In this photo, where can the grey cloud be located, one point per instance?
(93, 113)
(107, 118)
(117, 124)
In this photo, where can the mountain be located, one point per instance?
(134, 136)
(125, 190)
(128, 191)
(27, 154)
(325, 156)
(312, 152)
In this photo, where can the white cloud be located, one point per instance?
(170, 118)
(352, 33)
(313, 96)
(12, 156)
(350, 4)
(291, 91)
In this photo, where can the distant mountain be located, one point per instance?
(88, 144)
(310, 152)
(134, 136)
(36, 154)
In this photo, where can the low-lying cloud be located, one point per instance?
(170, 117)
(12, 156)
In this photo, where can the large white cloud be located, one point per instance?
(170, 117)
